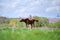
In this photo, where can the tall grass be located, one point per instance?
(29, 34)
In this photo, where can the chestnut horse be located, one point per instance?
(28, 21)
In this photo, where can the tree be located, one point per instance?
(43, 21)
(15, 22)
(37, 24)
(3, 19)
(55, 25)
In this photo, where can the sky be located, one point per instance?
(24, 8)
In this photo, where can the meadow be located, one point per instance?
(12, 29)
(29, 34)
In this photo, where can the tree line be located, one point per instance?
(42, 22)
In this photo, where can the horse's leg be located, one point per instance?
(26, 25)
(31, 25)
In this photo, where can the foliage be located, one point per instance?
(3, 20)
(42, 21)
(55, 25)
(12, 22)
(15, 22)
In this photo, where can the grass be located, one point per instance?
(29, 34)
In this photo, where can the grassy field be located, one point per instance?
(29, 34)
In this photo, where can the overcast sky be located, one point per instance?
(24, 8)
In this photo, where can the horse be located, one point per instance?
(28, 21)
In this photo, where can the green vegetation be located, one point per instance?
(7, 32)
(42, 22)
(15, 21)
(55, 25)
(29, 34)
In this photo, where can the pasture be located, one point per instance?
(29, 34)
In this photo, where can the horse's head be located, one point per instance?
(22, 20)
